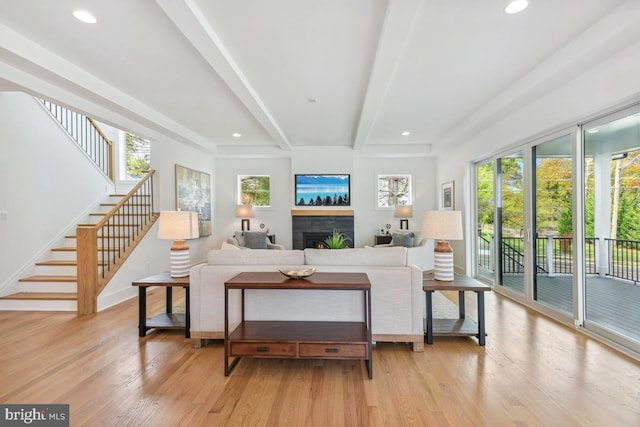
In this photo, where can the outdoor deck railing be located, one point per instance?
(623, 259)
(554, 256)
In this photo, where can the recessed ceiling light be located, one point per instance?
(236, 135)
(405, 133)
(84, 16)
(516, 6)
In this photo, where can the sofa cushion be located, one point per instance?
(402, 239)
(357, 256)
(255, 257)
(255, 239)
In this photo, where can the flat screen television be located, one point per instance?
(323, 190)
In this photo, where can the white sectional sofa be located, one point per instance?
(396, 291)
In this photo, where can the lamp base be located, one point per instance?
(180, 262)
(443, 263)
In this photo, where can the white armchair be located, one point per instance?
(420, 254)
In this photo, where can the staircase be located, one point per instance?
(79, 270)
(54, 286)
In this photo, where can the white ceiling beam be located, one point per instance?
(29, 65)
(192, 22)
(398, 23)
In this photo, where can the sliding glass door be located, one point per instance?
(485, 206)
(553, 224)
(558, 225)
(612, 225)
(510, 226)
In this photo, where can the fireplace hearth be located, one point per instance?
(310, 230)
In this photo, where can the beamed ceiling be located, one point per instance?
(299, 73)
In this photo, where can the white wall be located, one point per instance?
(152, 255)
(363, 171)
(606, 86)
(47, 185)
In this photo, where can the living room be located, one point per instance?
(588, 72)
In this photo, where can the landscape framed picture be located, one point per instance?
(448, 196)
(193, 193)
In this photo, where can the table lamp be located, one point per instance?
(245, 212)
(404, 211)
(443, 226)
(179, 226)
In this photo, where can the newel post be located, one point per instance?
(87, 256)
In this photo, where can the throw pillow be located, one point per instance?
(402, 239)
(240, 238)
(255, 239)
(229, 247)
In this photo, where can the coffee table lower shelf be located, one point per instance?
(299, 340)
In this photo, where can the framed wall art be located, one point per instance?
(193, 193)
(448, 196)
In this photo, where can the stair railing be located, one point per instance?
(87, 135)
(103, 247)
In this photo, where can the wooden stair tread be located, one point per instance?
(49, 279)
(64, 249)
(63, 263)
(57, 263)
(61, 296)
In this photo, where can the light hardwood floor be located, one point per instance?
(532, 372)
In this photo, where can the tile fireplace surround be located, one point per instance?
(311, 226)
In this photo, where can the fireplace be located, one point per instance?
(313, 239)
(312, 227)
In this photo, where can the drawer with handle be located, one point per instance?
(262, 349)
(328, 350)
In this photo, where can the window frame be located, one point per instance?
(395, 203)
(239, 179)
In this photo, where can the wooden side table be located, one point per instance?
(382, 239)
(460, 326)
(168, 319)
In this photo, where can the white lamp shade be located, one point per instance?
(442, 225)
(244, 211)
(404, 211)
(178, 225)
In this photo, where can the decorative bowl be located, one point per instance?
(298, 274)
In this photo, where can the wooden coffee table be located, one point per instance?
(298, 339)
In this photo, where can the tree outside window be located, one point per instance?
(394, 190)
(254, 190)
(138, 156)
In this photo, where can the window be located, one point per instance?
(138, 156)
(394, 190)
(254, 190)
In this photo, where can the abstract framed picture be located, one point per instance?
(448, 196)
(193, 193)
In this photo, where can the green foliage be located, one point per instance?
(255, 190)
(138, 155)
(485, 194)
(337, 240)
(512, 195)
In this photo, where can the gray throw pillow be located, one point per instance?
(402, 239)
(255, 239)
